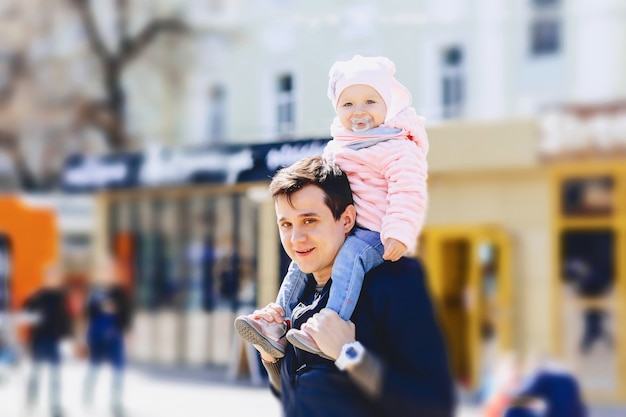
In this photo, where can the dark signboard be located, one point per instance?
(159, 166)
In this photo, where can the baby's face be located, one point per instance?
(361, 108)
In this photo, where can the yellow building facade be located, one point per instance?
(522, 247)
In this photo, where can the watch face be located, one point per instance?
(351, 352)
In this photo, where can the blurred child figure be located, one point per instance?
(381, 144)
(108, 314)
(550, 384)
(501, 385)
(50, 315)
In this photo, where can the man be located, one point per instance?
(390, 359)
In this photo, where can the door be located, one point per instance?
(469, 275)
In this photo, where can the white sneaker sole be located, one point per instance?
(251, 335)
(291, 338)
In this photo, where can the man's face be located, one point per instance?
(309, 233)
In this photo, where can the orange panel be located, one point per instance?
(34, 243)
(124, 257)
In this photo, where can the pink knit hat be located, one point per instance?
(377, 72)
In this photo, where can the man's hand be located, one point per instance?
(329, 331)
(394, 249)
(271, 312)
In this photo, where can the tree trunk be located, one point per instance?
(113, 118)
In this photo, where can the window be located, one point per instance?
(591, 196)
(545, 37)
(453, 82)
(285, 105)
(545, 28)
(217, 116)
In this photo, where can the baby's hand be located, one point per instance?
(271, 312)
(394, 249)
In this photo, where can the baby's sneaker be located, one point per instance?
(269, 335)
(302, 340)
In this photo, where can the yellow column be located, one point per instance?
(620, 279)
(100, 235)
(268, 254)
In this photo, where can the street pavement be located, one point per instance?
(145, 396)
(148, 393)
(158, 393)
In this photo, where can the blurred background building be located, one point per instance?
(151, 129)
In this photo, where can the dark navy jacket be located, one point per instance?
(395, 321)
(103, 325)
(559, 390)
(52, 306)
(519, 411)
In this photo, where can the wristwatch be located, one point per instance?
(351, 354)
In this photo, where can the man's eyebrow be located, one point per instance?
(310, 214)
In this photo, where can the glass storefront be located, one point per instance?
(185, 233)
(190, 260)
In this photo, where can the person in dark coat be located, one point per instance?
(390, 358)
(554, 386)
(108, 314)
(49, 310)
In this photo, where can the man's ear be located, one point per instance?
(348, 217)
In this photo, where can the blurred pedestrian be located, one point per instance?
(108, 316)
(50, 314)
(551, 384)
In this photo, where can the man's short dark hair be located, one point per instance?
(318, 171)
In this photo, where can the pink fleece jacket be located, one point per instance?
(388, 179)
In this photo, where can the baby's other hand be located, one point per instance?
(394, 249)
(271, 312)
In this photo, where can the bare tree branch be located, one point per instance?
(89, 22)
(134, 47)
(122, 22)
(109, 114)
